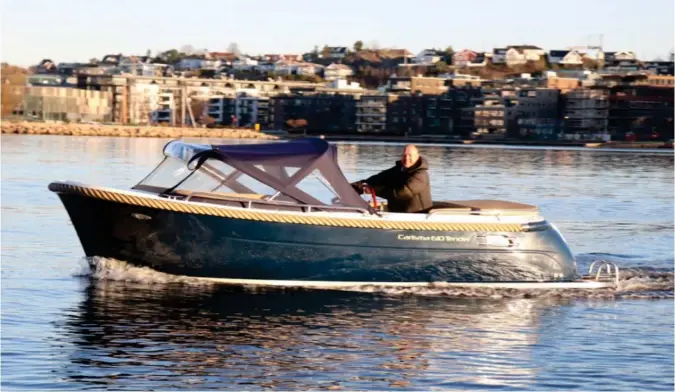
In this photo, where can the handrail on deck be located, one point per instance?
(249, 202)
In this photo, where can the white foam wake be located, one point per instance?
(634, 283)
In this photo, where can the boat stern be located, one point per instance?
(544, 236)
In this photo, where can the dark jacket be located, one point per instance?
(406, 190)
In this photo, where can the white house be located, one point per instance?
(286, 67)
(309, 69)
(624, 55)
(211, 64)
(342, 84)
(141, 66)
(244, 64)
(427, 56)
(292, 67)
(565, 57)
(499, 56)
(520, 54)
(620, 59)
(274, 57)
(293, 57)
(337, 71)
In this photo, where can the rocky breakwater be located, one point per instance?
(39, 128)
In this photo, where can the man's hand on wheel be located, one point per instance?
(359, 186)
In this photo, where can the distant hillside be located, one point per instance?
(13, 80)
(371, 68)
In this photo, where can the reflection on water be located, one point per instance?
(291, 340)
(63, 328)
(131, 336)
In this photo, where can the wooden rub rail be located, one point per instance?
(294, 218)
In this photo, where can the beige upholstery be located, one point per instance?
(483, 205)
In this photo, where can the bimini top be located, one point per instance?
(285, 167)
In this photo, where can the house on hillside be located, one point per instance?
(294, 57)
(428, 57)
(73, 69)
(111, 59)
(499, 56)
(481, 59)
(336, 52)
(309, 69)
(190, 63)
(272, 58)
(225, 58)
(463, 58)
(521, 54)
(337, 71)
(109, 64)
(140, 66)
(620, 59)
(244, 63)
(294, 67)
(565, 57)
(285, 67)
(46, 66)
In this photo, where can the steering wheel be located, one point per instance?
(371, 190)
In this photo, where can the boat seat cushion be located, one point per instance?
(219, 195)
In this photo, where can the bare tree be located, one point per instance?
(373, 45)
(234, 48)
(442, 67)
(198, 107)
(187, 49)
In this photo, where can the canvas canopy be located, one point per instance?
(281, 166)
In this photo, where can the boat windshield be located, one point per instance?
(299, 173)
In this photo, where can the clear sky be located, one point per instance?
(77, 30)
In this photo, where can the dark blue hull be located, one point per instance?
(217, 247)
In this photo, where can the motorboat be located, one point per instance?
(283, 213)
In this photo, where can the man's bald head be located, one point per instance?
(410, 155)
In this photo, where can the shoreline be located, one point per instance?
(109, 130)
(72, 129)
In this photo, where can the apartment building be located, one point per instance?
(371, 113)
(646, 111)
(586, 112)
